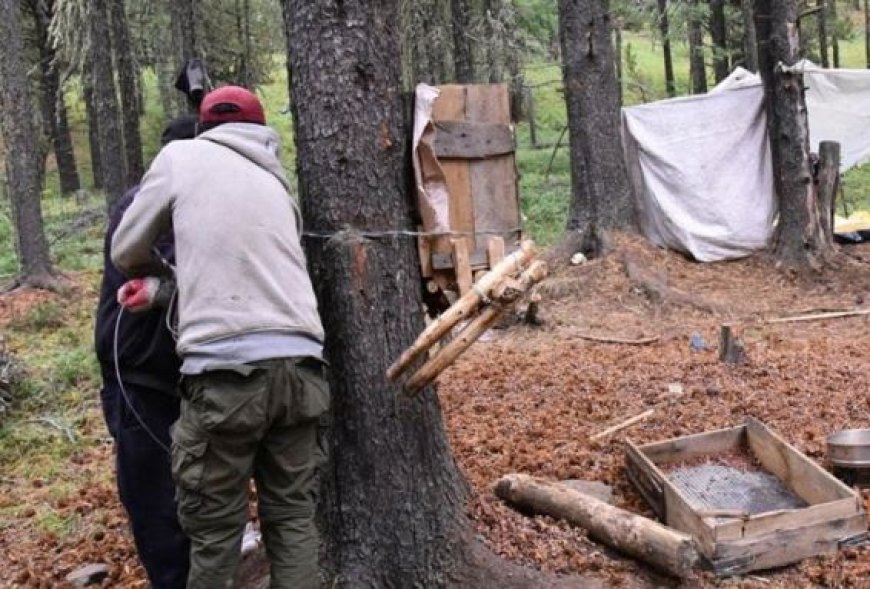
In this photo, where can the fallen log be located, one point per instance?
(666, 549)
(463, 308)
(819, 316)
(504, 293)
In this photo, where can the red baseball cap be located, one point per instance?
(231, 104)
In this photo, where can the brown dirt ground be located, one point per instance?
(528, 398)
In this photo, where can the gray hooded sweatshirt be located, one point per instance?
(240, 266)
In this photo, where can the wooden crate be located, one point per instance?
(834, 515)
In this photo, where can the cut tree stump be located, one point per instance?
(665, 549)
(731, 348)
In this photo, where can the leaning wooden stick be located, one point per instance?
(668, 550)
(462, 308)
(623, 425)
(819, 316)
(506, 292)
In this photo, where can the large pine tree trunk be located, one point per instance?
(719, 35)
(106, 101)
(601, 196)
(800, 239)
(393, 505)
(126, 66)
(20, 136)
(665, 30)
(51, 98)
(697, 69)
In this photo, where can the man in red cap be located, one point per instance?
(249, 336)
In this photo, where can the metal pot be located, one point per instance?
(850, 448)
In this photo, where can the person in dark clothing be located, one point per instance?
(139, 416)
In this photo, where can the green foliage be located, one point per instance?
(47, 315)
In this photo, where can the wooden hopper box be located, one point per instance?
(825, 514)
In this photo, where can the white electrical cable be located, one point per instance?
(124, 394)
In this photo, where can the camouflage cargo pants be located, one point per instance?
(257, 420)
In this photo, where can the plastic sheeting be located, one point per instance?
(701, 165)
(701, 171)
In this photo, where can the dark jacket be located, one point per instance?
(146, 348)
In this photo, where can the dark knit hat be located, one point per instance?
(181, 127)
(231, 104)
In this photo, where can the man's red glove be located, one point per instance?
(138, 294)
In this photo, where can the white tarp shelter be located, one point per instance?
(701, 166)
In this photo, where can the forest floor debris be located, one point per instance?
(530, 398)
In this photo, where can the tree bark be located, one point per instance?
(52, 102)
(106, 100)
(822, 21)
(719, 35)
(835, 43)
(126, 66)
(393, 503)
(617, 59)
(697, 69)
(463, 49)
(799, 239)
(750, 45)
(601, 197)
(23, 168)
(427, 39)
(664, 29)
(93, 132)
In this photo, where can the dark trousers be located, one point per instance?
(145, 483)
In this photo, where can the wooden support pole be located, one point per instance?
(504, 294)
(828, 179)
(462, 309)
(730, 347)
(462, 265)
(665, 549)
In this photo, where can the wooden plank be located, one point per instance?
(424, 251)
(494, 250)
(692, 446)
(450, 106)
(467, 140)
(807, 479)
(644, 477)
(479, 258)
(493, 180)
(783, 547)
(463, 266)
(787, 519)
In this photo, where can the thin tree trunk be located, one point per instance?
(750, 46)
(835, 43)
(664, 29)
(23, 171)
(719, 35)
(823, 34)
(107, 111)
(799, 239)
(52, 103)
(93, 132)
(601, 197)
(697, 69)
(183, 15)
(127, 69)
(393, 503)
(867, 32)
